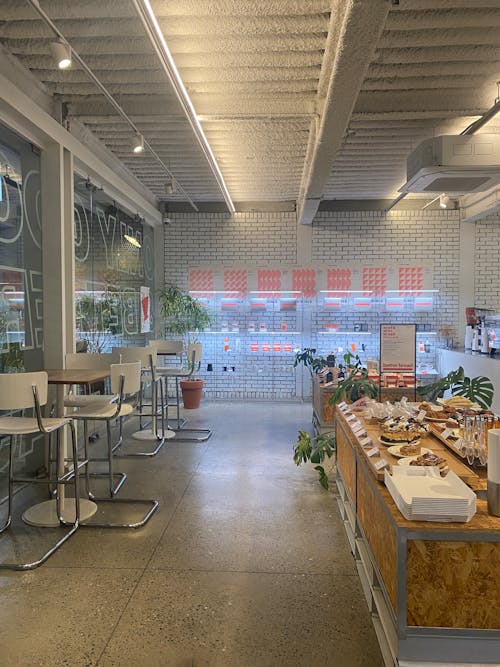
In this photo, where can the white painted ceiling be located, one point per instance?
(301, 100)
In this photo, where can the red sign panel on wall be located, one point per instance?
(339, 281)
(374, 280)
(235, 280)
(304, 280)
(269, 281)
(201, 280)
(411, 280)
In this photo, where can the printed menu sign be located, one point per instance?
(397, 348)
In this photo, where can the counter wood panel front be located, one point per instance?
(346, 462)
(453, 584)
(380, 532)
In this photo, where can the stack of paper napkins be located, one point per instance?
(421, 494)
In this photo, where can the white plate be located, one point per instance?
(408, 459)
(394, 450)
(472, 406)
(388, 444)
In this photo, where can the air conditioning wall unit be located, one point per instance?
(454, 164)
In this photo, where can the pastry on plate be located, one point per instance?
(401, 430)
(430, 459)
(411, 449)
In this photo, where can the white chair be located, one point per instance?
(147, 357)
(125, 381)
(178, 373)
(174, 350)
(19, 392)
(86, 361)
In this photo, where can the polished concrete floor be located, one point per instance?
(245, 564)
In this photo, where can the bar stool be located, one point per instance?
(20, 391)
(125, 381)
(170, 348)
(147, 357)
(178, 373)
(99, 361)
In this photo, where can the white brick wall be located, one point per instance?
(217, 237)
(487, 258)
(395, 237)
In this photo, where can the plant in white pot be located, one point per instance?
(186, 317)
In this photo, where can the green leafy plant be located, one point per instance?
(183, 314)
(479, 389)
(355, 382)
(12, 359)
(308, 358)
(354, 386)
(314, 449)
(352, 362)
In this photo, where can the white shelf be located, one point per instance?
(344, 333)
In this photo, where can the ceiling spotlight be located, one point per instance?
(132, 240)
(170, 187)
(138, 143)
(61, 52)
(447, 202)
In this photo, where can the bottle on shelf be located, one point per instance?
(485, 343)
(468, 336)
(475, 339)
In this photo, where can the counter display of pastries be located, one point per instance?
(404, 430)
(432, 587)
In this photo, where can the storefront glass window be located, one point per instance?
(21, 316)
(113, 273)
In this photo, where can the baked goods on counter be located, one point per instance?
(430, 459)
(412, 449)
(401, 430)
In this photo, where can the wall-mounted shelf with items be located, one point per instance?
(250, 349)
(350, 322)
(251, 345)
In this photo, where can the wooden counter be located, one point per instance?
(433, 588)
(323, 412)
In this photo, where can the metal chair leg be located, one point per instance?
(152, 505)
(109, 474)
(74, 526)
(10, 487)
(151, 435)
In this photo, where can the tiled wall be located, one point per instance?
(248, 238)
(487, 262)
(393, 238)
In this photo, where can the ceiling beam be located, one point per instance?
(351, 58)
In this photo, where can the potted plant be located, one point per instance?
(186, 317)
(315, 449)
(479, 389)
(308, 358)
(353, 382)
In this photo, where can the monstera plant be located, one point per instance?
(479, 389)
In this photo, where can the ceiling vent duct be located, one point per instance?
(453, 164)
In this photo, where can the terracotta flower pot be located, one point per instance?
(191, 393)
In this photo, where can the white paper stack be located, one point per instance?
(421, 494)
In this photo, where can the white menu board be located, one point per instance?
(398, 348)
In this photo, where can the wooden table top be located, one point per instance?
(76, 375)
